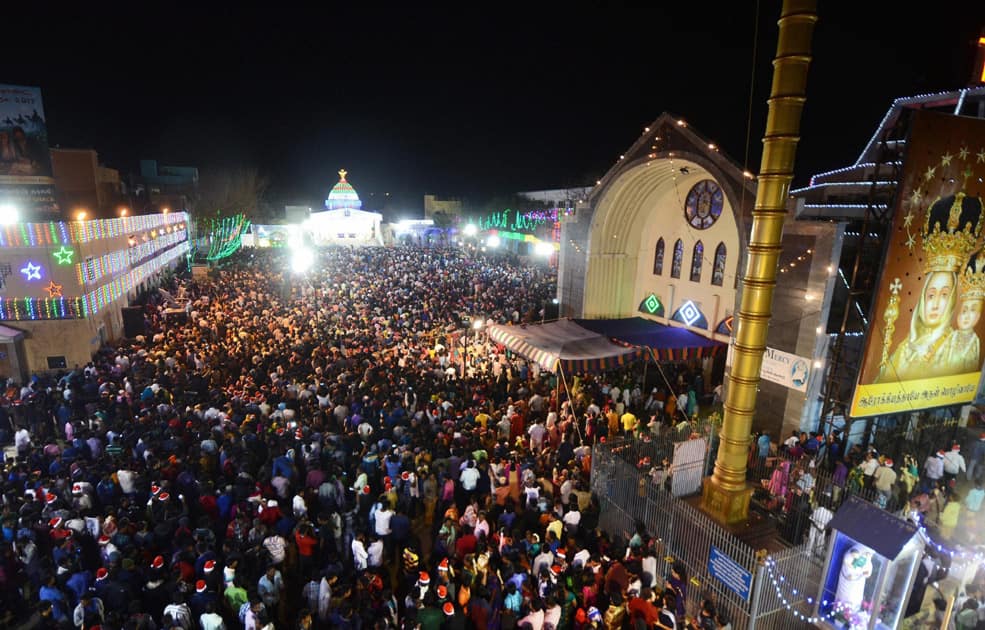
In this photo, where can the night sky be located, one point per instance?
(415, 100)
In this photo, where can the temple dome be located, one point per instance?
(343, 195)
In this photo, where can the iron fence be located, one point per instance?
(628, 495)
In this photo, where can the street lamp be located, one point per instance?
(9, 214)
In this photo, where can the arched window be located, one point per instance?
(718, 272)
(696, 256)
(678, 261)
(658, 259)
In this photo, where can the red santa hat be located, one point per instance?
(387, 480)
(50, 497)
(164, 496)
(443, 565)
(200, 586)
(888, 462)
(449, 609)
(406, 475)
(560, 554)
(366, 489)
(102, 574)
(154, 489)
(55, 522)
(423, 578)
(76, 488)
(209, 566)
(158, 562)
(104, 540)
(556, 569)
(442, 591)
(299, 434)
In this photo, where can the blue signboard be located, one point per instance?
(730, 573)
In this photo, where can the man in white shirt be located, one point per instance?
(536, 433)
(360, 556)
(22, 440)
(571, 520)
(383, 516)
(469, 477)
(375, 553)
(954, 463)
(210, 620)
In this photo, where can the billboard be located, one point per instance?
(25, 166)
(923, 348)
(790, 370)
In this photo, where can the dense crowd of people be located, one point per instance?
(323, 451)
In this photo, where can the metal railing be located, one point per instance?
(683, 533)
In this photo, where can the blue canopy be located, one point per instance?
(873, 527)
(669, 343)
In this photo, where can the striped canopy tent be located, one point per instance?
(668, 343)
(565, 344)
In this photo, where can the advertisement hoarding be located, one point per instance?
(790, 370)
(25, 166)
(923, 347)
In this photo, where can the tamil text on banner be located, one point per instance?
(25, 166)
(923, 347)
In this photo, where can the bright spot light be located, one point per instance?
(8, 214)
(470, 229)
(295, 239)
(544, 249)
(493, 241)
(477, 324)
(554, 301)
(302, 260)
(817, 364)
(81, 216)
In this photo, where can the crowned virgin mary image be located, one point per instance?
(949, 237)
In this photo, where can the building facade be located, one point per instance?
(86, 186)
(63, 284)
(663, 236)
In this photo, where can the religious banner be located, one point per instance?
(25, 166)
(923, 348)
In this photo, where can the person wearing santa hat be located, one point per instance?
(201, 598)
(954, 465)
(933, 468)
(884, 482)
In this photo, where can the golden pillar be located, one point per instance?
(726, 493)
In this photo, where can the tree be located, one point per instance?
(229, 192)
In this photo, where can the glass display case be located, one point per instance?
(870, 567)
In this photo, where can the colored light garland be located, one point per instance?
(226, 236)
(55, 233)
(41, 308)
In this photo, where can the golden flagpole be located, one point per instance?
(726, 494)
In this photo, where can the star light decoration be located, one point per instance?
(54, 290)
(63, 256)
(32, 271)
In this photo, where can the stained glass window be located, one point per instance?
(718, 273)
(696, 256)
(704, 204)
(658, 259)
(675, 266)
